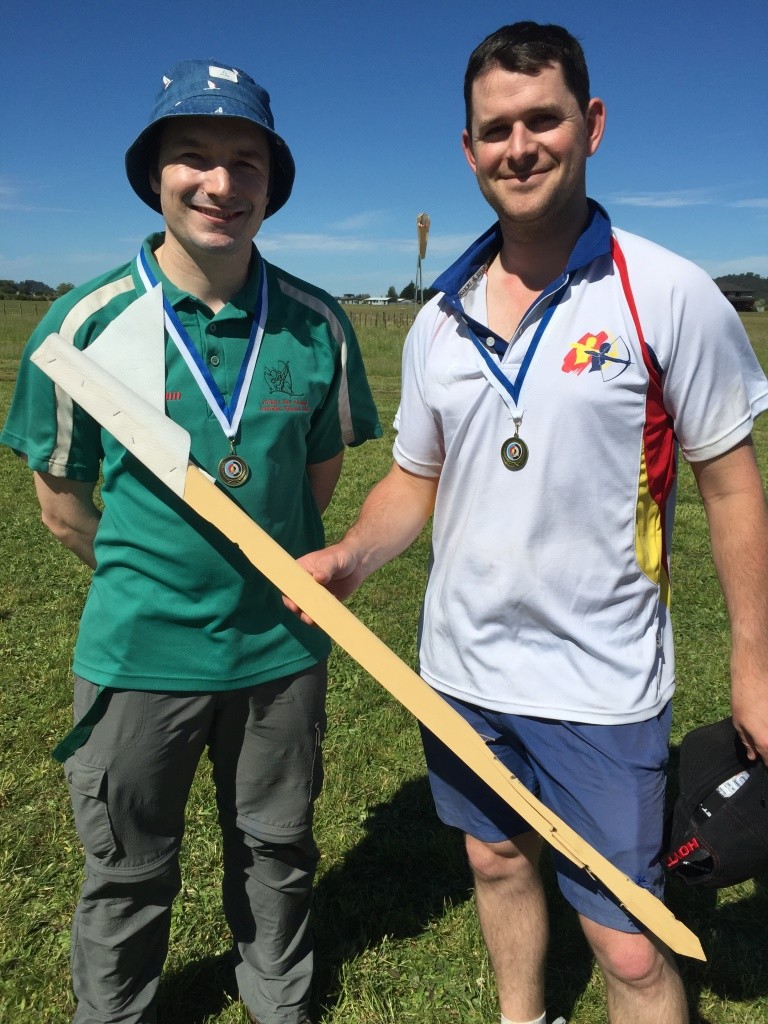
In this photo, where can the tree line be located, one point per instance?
(409, 293)
(753, 283)
(32, 289)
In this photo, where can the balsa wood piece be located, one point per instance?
(155, 440)
(144, 431)
(132, 348)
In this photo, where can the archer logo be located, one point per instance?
(278, 379)
(598, 353)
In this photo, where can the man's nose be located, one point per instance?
(218, 181)
(521, 144)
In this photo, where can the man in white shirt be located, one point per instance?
(546, 390)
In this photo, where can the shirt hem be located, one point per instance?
(186, 685)
(582, 716)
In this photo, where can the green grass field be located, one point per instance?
(397, 939)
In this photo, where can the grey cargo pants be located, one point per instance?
(129, 785)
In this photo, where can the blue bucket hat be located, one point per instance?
(195, 88)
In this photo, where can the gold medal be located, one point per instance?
(233, 471)
(514, 453)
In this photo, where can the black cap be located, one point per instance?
(719, 828)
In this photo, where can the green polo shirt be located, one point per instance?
(172, 605)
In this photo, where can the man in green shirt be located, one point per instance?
(182, 644)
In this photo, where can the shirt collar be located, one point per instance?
(593, 242)
(242, 303)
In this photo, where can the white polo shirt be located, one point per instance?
(548, 588)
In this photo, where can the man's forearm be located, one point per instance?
(77, 538)
(738, 522)
(392, 517)
(323, 477)
(67, 509)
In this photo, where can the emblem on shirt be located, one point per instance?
(598, 353)
(279, 379)
(282, 396)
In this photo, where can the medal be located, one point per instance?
(514, 451)
(233, 471)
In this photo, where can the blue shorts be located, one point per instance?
(606, 781)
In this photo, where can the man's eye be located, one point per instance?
(543, 122)
(495, 134)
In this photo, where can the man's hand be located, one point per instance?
(392, 516)
(749, 706)
(336, 568)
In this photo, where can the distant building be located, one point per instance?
(740, 298)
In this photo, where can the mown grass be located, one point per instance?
(397, 938)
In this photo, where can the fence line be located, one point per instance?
(12, 307)
(364, 318)
(382, 318)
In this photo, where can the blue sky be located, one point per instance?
(369, 97)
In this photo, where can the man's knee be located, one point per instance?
(632, 959)
(160, 885)
(282, 865)
(491, 862)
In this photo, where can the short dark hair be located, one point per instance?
(527, 47)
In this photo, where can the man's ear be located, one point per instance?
(154, 181)
(595, 124)
(466, 145)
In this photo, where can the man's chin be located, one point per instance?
(221, 243)
(522, 214)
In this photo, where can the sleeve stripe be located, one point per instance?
(337, 331)
(73, 321)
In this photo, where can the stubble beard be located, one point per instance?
(548, 213)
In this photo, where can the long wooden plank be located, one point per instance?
(210, 502)
(146, 433)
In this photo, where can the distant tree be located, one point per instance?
(409, 292)
(34, 288)
(750, 282)
(392, 293)
(64, 287)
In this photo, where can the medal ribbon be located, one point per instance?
(228, 414)
(513, 389)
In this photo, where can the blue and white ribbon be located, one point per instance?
(229, 413)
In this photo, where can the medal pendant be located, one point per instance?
(514, 453)
(233, 471)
